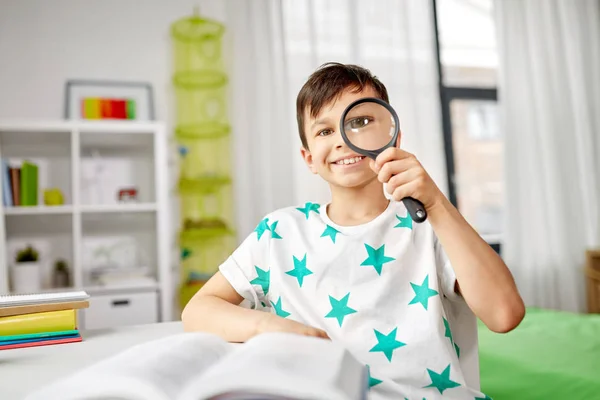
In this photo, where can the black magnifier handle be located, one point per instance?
(415, 209)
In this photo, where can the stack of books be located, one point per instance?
(29, 320)
(20, 184)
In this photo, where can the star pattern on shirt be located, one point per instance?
(299, 271)
(386, 343)
(484, 398)
(404, 222)
(274, 234)
(448, 334)
(263, 279)
(422, 293)
(441, 381)
(264, 226)
(331, 232)
(339, 308)
(372, 381)
(376, 258)
(279, 308)
(308, 207)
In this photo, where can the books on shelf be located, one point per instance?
(197, 365)
(20, 184)
(28, 320)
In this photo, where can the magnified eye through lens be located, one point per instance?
(369, 126)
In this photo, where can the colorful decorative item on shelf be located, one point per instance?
(202, 132)
(108, 100)
(53, 197)
(127, 195)
(105, 108)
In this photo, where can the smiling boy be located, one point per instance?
(357, 269)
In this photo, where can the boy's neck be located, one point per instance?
(355, 206)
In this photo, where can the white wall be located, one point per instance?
(43, 44)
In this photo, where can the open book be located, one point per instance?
(202, 366)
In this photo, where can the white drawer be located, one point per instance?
(120, 309)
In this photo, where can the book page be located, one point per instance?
(155, 370)
(283, 366)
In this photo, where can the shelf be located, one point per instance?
(90, 162)
(38, 210)
(82, 126)
(68, 209)
(119, 208)
(120, 142)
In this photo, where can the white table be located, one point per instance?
(24, 370)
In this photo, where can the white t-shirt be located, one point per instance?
(377, 288)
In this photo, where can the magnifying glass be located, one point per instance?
(369, 126)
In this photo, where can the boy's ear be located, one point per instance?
(308, 159)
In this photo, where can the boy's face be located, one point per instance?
(327, 153)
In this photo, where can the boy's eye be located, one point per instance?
(324, 132)
(359, 122)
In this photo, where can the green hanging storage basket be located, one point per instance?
(202, 132)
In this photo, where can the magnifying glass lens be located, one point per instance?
(369, 126)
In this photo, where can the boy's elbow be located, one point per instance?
(509, 316)
(186, 316)
(189, 314)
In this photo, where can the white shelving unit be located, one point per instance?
(116, 155)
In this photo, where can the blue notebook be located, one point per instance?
(39, 339)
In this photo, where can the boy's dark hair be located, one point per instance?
(327, 83)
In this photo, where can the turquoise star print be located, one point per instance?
(483, 398)
(405, 222)
(376, 258)
(263, 227)
(441, 381)
(262, 279)
(372, 381)
(331, 232)
(300, 270)
(448, 334)
(279, 308)
(308, 207)
(339, 308)
(422, 293)
(272, 228)
(387, 343)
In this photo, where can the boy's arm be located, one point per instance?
(484, 280)
(215, 309)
